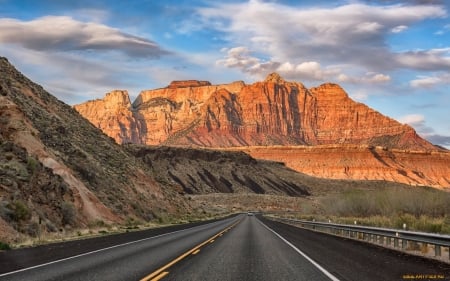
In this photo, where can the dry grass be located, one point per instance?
(420, 209)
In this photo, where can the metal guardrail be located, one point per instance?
(393, 238)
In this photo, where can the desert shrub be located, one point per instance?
(421, 209)
(32, 164)
(5, 212)
(415, 201)
(4, 246)
(32, 229)
(68, 213)
(20, 211)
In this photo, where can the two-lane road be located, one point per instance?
(238, 248)
(250, 251)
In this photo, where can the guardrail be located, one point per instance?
(408, 241)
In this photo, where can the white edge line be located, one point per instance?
(100, 250)
(328, 274)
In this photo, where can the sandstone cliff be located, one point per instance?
(276, 112)
(361, 162)
(272, 112)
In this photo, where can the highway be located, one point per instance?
(236, 248)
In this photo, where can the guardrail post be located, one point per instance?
(404, 243)
(395, 242)
(388, 241)
(437, 250)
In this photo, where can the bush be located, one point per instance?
(32, 164)
(4, 246)
(421, 209)
(20, 211)
(68, 213)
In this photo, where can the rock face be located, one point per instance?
(361, 162)
(114, 114)
(275, 113)
(272, 112)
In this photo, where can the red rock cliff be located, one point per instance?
(272, 112)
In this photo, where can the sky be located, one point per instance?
(393, 56)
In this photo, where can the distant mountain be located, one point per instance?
(318, 131)
(272, 112)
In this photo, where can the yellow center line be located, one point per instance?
(157, 272)
(196, 252)
(160, 276)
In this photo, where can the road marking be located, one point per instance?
(160, 276)
(165, 267)
(213, 240)
(328, 274)
(196, 252)
(101, 250)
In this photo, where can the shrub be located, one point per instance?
(68, 213)
(4, 246)
(32, 164)
(20, 211)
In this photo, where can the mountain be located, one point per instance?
(272, 112)
(59, 173)
(318, 131)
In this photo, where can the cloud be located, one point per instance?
(62, 33)
(434, 59)
(418, 122)
(349, 34)
(368, 78)
(243, 59)
(440, 140)
(413, 120)
(430, 81)
(399, 29)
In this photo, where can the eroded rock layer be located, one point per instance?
(272, 112)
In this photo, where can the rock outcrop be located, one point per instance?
(272, 112)
(361, 162)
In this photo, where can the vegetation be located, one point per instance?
(68, 213)
(4, 246)
(420, 209)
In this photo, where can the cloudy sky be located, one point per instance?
(391, 55)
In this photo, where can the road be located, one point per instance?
(237, 248)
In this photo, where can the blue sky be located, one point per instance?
(393, 56)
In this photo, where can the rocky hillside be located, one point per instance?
(57, 170)
(272, 112)
(201, 171)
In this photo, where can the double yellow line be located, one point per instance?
(161, 272)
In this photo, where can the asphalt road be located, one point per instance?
(239, 248)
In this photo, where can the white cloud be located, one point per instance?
(399, 28)
(360, 95)
(418, 122)
(351, 34)
(434, 59)
(413, 119)
(368, 78)
(430, 81)
(243, 59)
(62, 33)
